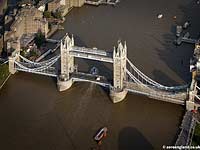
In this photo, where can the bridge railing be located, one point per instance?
(138, 77)
(39, 63)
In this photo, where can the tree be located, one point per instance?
(39, 39)
(57, 14)
(47, 14)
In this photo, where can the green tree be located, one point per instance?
(47, 14)
(39, 39)
(23, 52)
(57, 14)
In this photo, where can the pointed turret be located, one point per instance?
(114, 52)
(125, 49)
(72, 40)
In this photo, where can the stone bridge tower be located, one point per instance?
(11, 61)
(67, 63)
(117, 92)
(15, 54)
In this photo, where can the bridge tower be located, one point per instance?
(64, 81)
(14, 56)
(117, 92)
(190, 103)
(11, 61)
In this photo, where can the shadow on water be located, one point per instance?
(161, 76)
(177, 58)
(130, 138)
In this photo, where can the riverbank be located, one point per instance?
(4, 74)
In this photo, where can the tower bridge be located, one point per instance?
(126, 76)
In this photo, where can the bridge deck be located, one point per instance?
(91, 56)
(177, 98)
(47, 72)
(83, 77)
(91, 51)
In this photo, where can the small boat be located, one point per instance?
(101, 134)
(186, 25)
(94, 71)
(160, 16)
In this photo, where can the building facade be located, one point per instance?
(64, 5)
(54, 5)
(29, 21)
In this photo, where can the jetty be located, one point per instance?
(101, 2)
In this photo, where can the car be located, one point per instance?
(98, 78)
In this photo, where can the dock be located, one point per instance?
(185, 38)
(101, 2)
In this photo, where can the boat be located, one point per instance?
(160, 16)
(98, 78)
(94, 71)
(101, 134)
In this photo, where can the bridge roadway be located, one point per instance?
(172, 97)
(92, 54)
(84, 77)
(51, 71)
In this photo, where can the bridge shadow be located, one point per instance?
(163, 78)
(177, 58)
(130, 138)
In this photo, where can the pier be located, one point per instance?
(101, 2)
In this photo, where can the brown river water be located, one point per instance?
(35, 116)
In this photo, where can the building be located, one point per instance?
(64, 5)
(3, 5)
(26, 2)
(77, 3)
(12, 45)
(54, 5)
(29, 21)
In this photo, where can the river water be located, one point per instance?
(34, 115)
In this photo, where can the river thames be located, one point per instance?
(35, 116)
